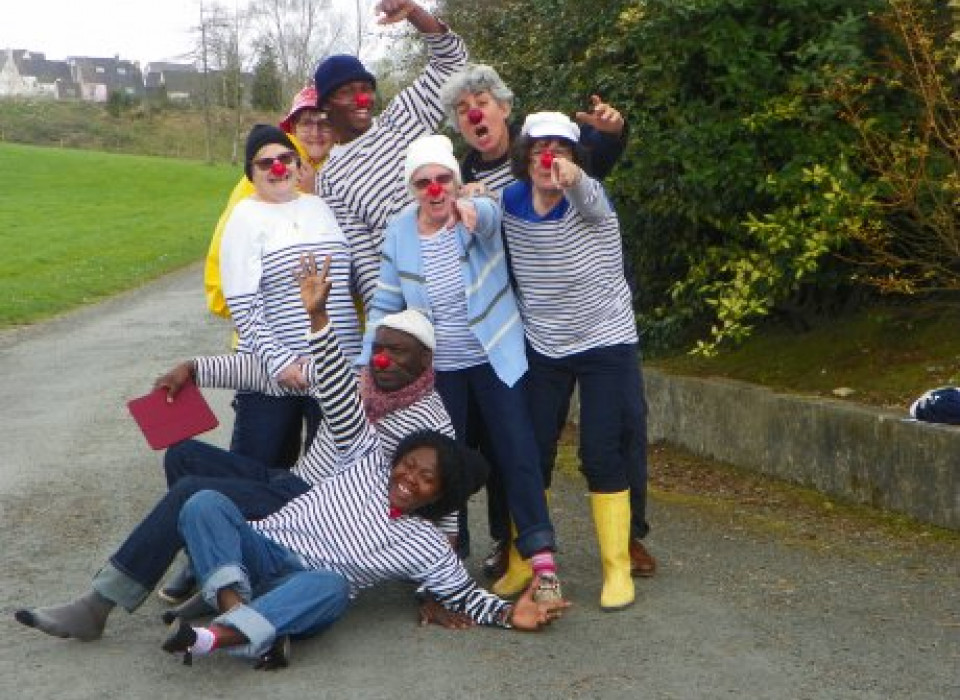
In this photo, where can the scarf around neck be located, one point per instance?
(378, 403)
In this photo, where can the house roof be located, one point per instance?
(107, 71)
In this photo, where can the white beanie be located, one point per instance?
(542, 124)
(412, 322)
(430, 150)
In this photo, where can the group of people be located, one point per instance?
(407, 331)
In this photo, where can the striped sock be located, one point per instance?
(542, 562)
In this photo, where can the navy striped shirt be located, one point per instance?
(343, 523)
(362, 181)
(568, 267)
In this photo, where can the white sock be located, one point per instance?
(206, 641)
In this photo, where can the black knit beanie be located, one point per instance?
(260, 136)
(462, 471)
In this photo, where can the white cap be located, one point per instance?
(542, 124)
(430, 150)
(412, 322)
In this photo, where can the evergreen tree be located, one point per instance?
(267, 91)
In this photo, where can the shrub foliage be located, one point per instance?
(778, 154)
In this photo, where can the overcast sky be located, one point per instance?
(138, 30)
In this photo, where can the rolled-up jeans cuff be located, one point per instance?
(227, 576)
(536, 540)
(120, 588)
(254, 626)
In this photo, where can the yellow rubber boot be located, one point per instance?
(519, 573)
(611, 516)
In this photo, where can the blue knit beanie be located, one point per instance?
(338, 70)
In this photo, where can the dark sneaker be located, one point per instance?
(495, 563)
(276, 657)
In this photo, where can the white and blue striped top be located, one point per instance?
(262, 244)
(457, 345)
(363, 180)
(343, 523)
(568, 267)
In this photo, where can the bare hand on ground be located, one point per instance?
(530, 615)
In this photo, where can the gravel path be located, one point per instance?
(757, 595)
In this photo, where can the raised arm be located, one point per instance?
(586, 195)
(420, 101)
(332, 380)
(604, 132)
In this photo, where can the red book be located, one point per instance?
(167, 422)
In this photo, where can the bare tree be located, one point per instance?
(223, 54)
(301, 32)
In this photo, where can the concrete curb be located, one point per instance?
(854, 452)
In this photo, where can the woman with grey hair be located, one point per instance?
(478, 105)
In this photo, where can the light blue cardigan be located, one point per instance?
(491, 307)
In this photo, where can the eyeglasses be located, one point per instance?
(318, 123)
(556, 149)
(424, 182)
(288, 158)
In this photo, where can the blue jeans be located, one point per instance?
(513, 445)
(281, 596)
(613, 419)
(144, 556)
(267, 428)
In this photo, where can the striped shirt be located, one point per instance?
(457, 346)
(262, 243)
(322, 460)
(363, 180)
(343, 523)
(568, 267)
(496, 178)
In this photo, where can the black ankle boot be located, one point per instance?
(180, 640)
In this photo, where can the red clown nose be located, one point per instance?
(546, 159)
(434, 189)
(475, 116)
(278, 169)
(363, 100)
(381, 361)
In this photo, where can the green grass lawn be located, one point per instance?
(77, 226)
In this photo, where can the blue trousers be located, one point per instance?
(267, 428)
(613, 419)
(281, 596)
(150, 548)
(503, 411)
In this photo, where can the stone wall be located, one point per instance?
(843, 449)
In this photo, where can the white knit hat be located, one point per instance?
(542, 124)
(430, 150)
(412, 322)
